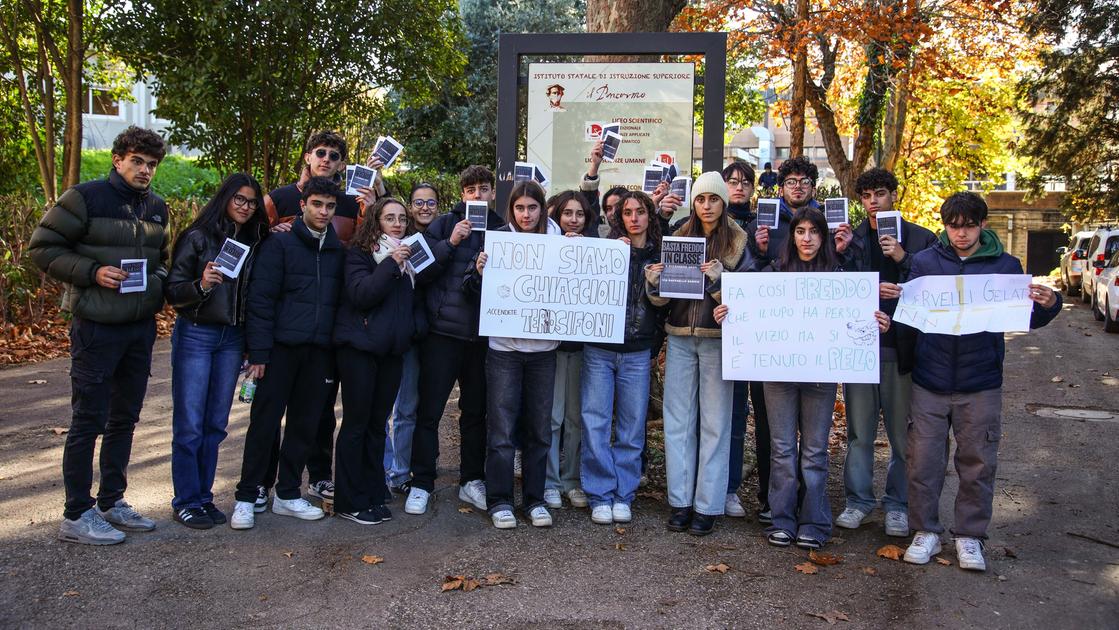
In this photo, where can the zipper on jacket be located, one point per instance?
(318, 287)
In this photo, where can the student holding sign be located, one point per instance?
(891, 258)
(694, 387)
(520, 377)
(615, 381)
(453, 350)
(800, 414)
(569, 211)
(208, 342)
(378, 316)
(957, 387)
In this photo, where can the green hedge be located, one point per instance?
(177, 177)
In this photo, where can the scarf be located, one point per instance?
(385, 246)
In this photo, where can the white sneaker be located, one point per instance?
(540, 516)
(577, 497)
(417, 501)
(733, 506)
(504, 519)
(474, 493)
(851, 518)
(602, 514)
(299, 508)
(897, 524)
(969, 553)
(552, 498)
(925, 545)
(244, 515)
(621, 513)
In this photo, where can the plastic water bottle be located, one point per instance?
(248, 390)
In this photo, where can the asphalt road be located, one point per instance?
(1053, 556)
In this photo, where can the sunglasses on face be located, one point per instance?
(334, 155)
(420, 204)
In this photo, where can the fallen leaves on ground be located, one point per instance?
(824, 559)
(1009, 553)
(371, 559)
(467, 583)
(289, 554)
(620, 531)
(890, 552)
(466, 510)
(70, 594)
(1057, 379)
(807, 568)
(722, 567)
(831, 616)
(871, 571)
(944, 562)
(620, 546)
(59, 430)
(49, 337)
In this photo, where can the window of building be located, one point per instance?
(100, 102)
(783, 153)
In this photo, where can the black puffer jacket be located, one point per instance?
(450, 311)
(643, 320)
(97, 224)
(380, 310)
(224, 305)
(294, 293)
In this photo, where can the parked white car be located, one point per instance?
(1104, 244)
(1105, 301)
(1073, 260)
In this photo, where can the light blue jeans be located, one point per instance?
(398, 442)
(694, 386)
(863, 402)
(805, 408)
(565, 415)
(614, 384)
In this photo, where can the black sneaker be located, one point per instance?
(261, 502)
(322, 490)
(680, 519)
(216, 515)
(702, 525)
(403, 488)
(765, 515)
(808, 542)
(383, 512)
(780, 539)
(194, 518)
(364, 517)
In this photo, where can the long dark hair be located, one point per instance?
(369, 232)
(533, 190)
(213, 221)
(653, 232)
(826, 258)
(720, 243)
(558, 202)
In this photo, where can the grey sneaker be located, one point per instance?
(322, 490)
(897, 523)
(122, 516)
(89, 529)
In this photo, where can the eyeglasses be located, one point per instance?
(334, 155)
(394, 218)
(734, 182)
(798, 183)
(420, 204)
(242, 201)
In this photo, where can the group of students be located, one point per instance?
(326, 300)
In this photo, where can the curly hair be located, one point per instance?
(139, 140)
(369, 232)
(653, 232)
(874, 179)
(799, 165)
(327, 138)
(321, 186)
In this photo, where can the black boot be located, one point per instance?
(702, 525)
(680, 519)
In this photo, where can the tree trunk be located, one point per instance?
(630, 16)
(893, 131)
(46, 171)
(75, 60)
(800, 86)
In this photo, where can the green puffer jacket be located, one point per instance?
(100, 223)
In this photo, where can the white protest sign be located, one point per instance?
(962, 305)
(137, 280)
(801, 327)
(538, 286)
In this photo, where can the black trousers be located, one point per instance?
(369, 387)
(109, 369)
(297, 381)
(443, 360)
(322, 453)
(761, 441)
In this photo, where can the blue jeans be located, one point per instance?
(205, 361)
(398, 444)
(518, 400)
(807, 408)
(565, 416)
(863, 402)
(694, 387)
(614, 383)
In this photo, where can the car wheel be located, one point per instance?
(1067, 284)
(1085, 296)
(1096, 307)
(1110, 324)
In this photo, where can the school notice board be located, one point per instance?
(801, 327)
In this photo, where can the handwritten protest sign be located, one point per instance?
(962, 305)
(801, 327)
(537, 286)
